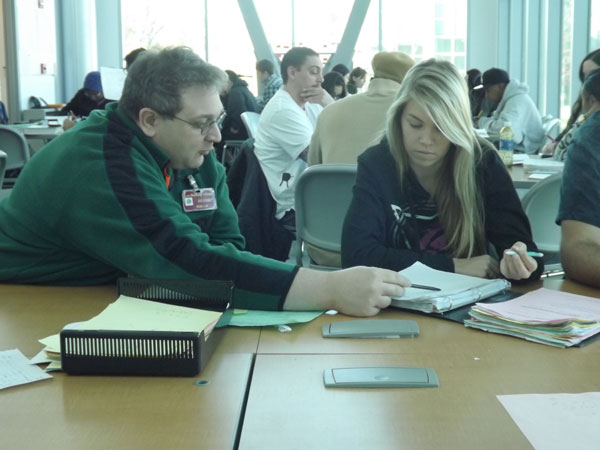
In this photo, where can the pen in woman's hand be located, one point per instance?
(535, 254)
(426, 288)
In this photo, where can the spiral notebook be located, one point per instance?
(455, 290)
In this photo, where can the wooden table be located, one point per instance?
(521, 178)
(272, 383)
(289, 407)
(444, 335)
(124, 412)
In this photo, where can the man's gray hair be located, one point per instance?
(157, 78)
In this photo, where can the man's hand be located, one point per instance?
(364, 291)
(549, 148)
(359, 291)
(316, 94)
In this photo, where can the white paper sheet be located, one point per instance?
(546, 306)
(557, 421)
(449, 282)
(15, 369)
(539, 176)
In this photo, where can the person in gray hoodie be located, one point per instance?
(514, 106)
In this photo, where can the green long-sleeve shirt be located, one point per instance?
(93, 205)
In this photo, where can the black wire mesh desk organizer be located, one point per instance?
(164, 353)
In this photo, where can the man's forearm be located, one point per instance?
(581, 261)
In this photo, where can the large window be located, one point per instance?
(595, 25)
(420, 29)
(222, 40)
(229, 44)
(151, 23)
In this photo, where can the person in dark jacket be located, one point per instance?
(335, 85)
(136, 190)
(238, 99)
(433, 192)
(88, 98)
(476, 91)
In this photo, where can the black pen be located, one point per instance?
(427, 288)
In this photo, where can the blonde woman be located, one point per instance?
(433, 192)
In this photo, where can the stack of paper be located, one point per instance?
(542, 165)
(544, 316)
(134, 314)
(455, 290)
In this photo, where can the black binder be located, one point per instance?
(150, 352)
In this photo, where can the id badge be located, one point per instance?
(198, 200)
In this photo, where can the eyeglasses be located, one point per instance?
(205, 126)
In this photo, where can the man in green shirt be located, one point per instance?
(136, 190)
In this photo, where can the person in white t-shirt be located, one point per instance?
(287, 124)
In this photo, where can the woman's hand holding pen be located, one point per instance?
(517, 263)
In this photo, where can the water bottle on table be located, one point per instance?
(507, 144)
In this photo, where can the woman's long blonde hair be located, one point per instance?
(438, 88)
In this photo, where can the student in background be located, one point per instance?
(132, 56)
(433, 192)
(558, 147)
(137, 190)
(88, 98)
(286, 126)
(238, 99)
(476, 91)
(268, 82)
(511, 103)
(335, 85)
(579, 211)
(342, 70)
(356, 80)
(348, 127)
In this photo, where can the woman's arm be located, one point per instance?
(505, 221)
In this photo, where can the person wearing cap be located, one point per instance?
(88, 98)
(511, 104)
(360, 116)
(349, 126)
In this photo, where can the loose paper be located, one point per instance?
(557, 421)
(15, 369)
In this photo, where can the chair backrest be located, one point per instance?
(322, 196)
(14, 144)
(250, 120)
(541, 206)
(2, 166)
